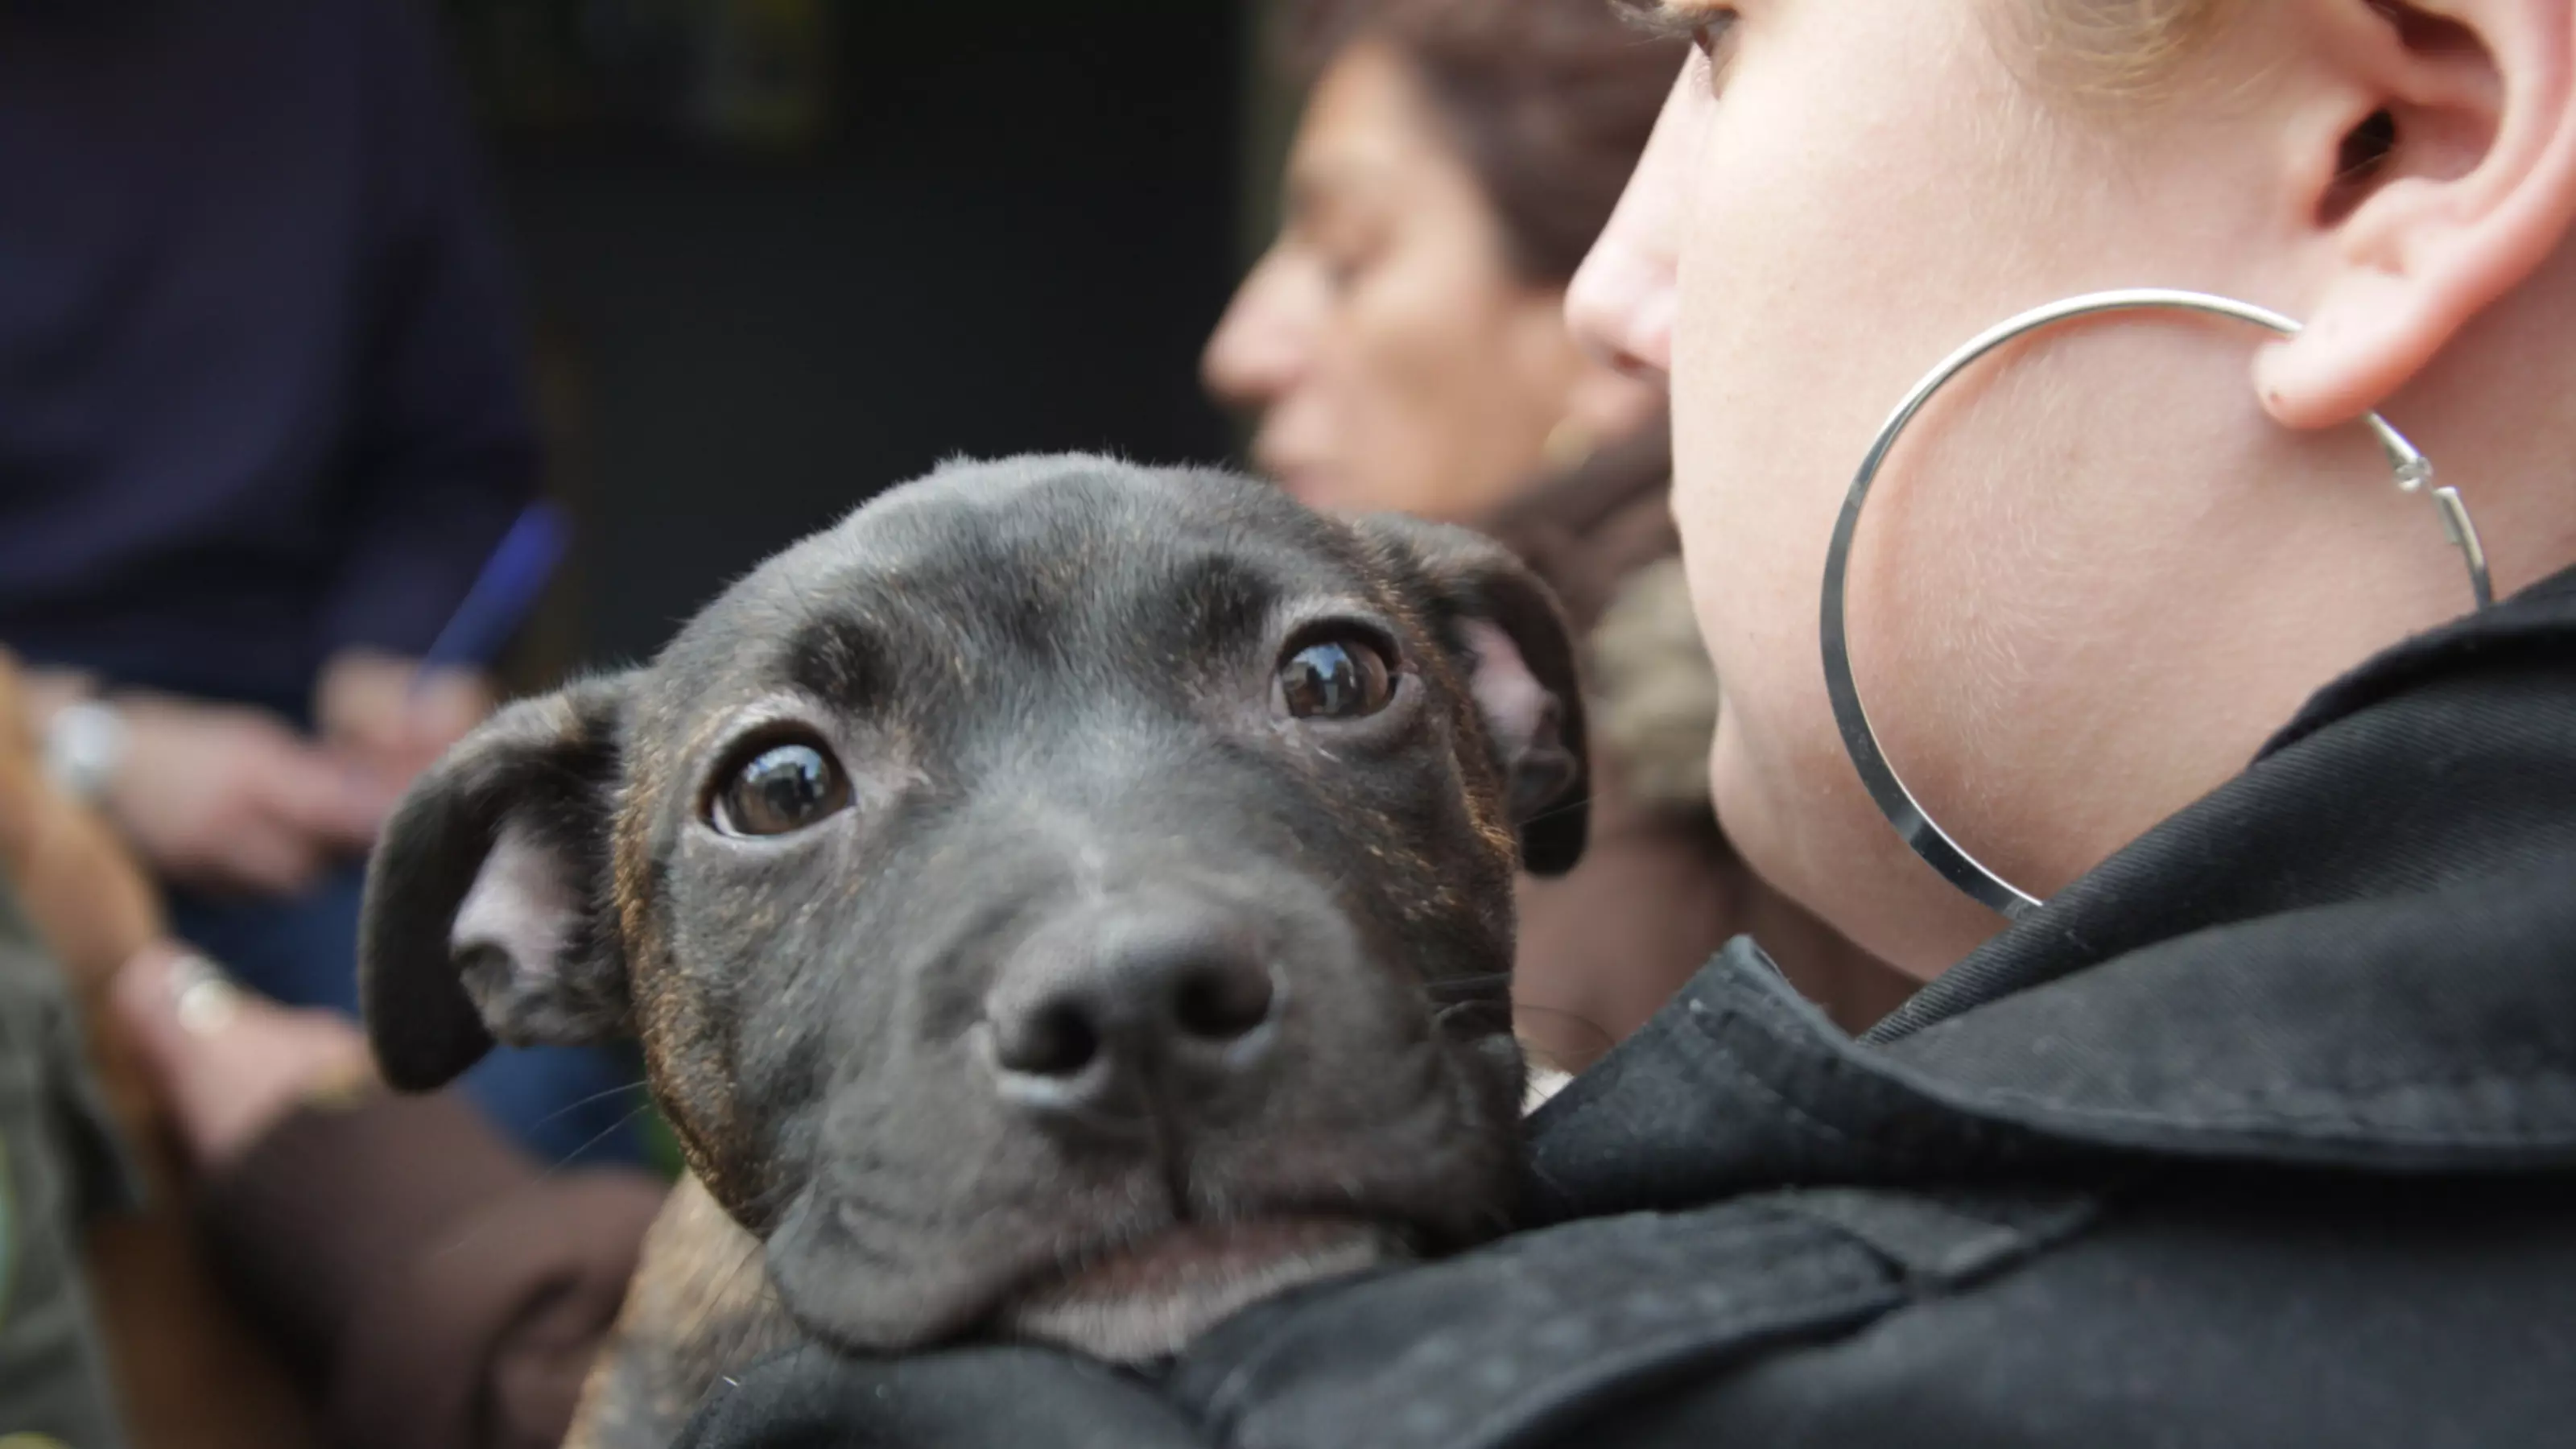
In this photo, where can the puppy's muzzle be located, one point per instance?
(1134, 1019)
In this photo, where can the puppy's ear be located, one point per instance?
(486, 914)
(1506, 628)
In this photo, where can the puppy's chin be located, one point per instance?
(1151, 1299)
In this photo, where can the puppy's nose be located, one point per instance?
(1146, 1017)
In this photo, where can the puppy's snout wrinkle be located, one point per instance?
(1139, 1018)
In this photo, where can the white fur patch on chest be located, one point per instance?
(1544, 1082)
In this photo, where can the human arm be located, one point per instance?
(438, 1286)
(215, 795)
(77, 883)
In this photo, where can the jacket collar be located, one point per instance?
(2359, 955)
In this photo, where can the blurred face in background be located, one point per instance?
(1395, 357)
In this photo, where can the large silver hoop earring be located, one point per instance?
(1895, 801)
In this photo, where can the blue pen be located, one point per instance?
(511, 582)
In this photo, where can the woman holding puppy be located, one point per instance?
(2141, 698)
(2140, 695)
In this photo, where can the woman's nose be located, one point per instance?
(1620, 306)
(1260, 347)
(1624, 297)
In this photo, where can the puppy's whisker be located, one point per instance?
(568, 1108)
(598, 1137)
(1568, 807)
(1491, 986)
(1607, 1038)
(730, 1293)
(551, 1171)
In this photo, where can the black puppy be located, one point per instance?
(1065, 899)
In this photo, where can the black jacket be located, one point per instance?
(2262, 1133)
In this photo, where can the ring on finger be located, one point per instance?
(204, 999)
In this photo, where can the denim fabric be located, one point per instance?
(570, 1105)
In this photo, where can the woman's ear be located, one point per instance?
(2440, 175)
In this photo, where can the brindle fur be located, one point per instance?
(700, 1308)
(1052, 683)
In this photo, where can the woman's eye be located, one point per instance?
(1710, 37)
(1343, 266)
(1335, 679)
(783, 788)
(1345, 250)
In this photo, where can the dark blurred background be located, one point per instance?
(780, 254)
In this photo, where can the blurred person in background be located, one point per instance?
(59, 1169)
(262, 418)
(113, 1329)
(422, 1282)
(1403, 344)
(60, 1164)
(428, 1283)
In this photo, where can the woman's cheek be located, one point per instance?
(1428, 379)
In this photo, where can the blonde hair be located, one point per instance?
(2117, 49)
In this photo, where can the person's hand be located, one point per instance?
(381, 710)
(230, 798)
(79, 884)
(230, 1065)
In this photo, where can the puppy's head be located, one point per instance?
(1065, 896)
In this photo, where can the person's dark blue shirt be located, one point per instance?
(262, 394)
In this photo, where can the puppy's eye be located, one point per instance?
(1343, 678)
(784, 788)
